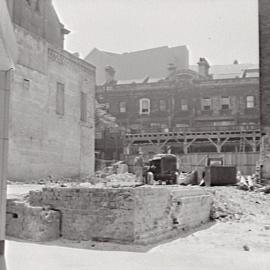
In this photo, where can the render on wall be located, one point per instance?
(52, 105)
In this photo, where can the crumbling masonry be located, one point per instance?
(141, 215)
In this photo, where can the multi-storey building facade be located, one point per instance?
(176, 111)
(52, 99)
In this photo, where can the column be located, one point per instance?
(4, 119)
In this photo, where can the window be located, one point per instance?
(225, 103)
(250, 102)
(26, 84)
(206, 103)
(162, 105)
(123, 107)
(144, 106)
(184, 105)
(155, 126)
(83, 107)
(60, 99)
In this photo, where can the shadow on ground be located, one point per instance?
(112, 246)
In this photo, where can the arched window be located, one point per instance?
(145, 106)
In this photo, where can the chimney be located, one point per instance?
(171, 70)
(109, 74)
(203, 67)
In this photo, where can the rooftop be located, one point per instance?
(138, 64)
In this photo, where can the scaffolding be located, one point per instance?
(243, 136)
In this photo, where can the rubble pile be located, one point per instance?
(52, 179)
(232, 203)
(224, 208)
(122, 180)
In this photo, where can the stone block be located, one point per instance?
(142, 214)
(31, 222)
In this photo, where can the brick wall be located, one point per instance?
(264, 28)
(43, 142)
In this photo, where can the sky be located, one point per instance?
(220, 30)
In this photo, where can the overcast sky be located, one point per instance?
(220, 30)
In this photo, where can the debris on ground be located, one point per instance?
(232, 203)
(265, 189)
(188, 178)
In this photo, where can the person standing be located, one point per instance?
(138, 167)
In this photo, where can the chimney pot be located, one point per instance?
(109, 74)
(171, 70)
(203, 67)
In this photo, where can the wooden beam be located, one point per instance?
(222, 143)
(192, 141)
(163, 144)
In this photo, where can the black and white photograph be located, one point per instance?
(134, 134)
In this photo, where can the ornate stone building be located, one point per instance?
(186, 111)
(52, 102)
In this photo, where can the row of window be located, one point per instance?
(60, 102)
(206, 104)
(60, 99)
(145, 106)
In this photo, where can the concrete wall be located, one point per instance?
(43, 142)
(143, 214)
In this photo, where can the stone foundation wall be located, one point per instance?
(31, 222)
(163, 211)
(142, 214)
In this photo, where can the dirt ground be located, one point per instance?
(243, 223)
(240, 221)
